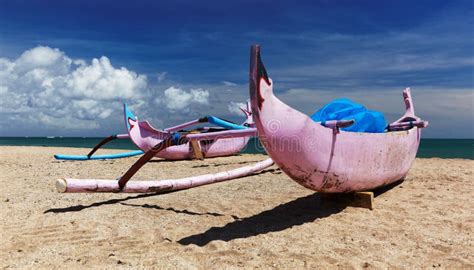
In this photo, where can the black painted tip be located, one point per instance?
(257, 69)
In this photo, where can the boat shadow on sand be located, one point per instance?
(80, 207)
(293, 213)
(284, 216)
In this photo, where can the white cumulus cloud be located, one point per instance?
(44, 91)
(47, 87)
(177, 99)
(101, 80)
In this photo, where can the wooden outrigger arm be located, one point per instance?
(91, 156)
(105, 141)
(177, 139)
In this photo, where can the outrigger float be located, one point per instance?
(318, 155)
(144, 136)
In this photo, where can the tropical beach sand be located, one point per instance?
(265, 221)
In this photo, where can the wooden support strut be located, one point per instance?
(177, 139)
(363, 199)
(104, 141)
(146, 157)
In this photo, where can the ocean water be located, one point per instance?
(442, 148)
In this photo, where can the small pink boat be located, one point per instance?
(327, 159)
(145, 137)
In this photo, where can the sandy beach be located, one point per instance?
(263, 221)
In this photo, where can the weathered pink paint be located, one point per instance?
(101, 185)
(323, 160)
(144, 136)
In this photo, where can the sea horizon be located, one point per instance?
(429, 147)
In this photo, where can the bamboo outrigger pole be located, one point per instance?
(101, 185)
(123, 184)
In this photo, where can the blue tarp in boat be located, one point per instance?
(345, 109)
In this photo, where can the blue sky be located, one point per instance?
(176, 60)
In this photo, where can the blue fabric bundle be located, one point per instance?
(345, 109)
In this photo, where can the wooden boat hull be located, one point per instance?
(144, 136)
(319, 158)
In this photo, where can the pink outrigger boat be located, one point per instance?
(328, 159)
(319, 157)
(144, 136)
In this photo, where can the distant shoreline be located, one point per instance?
(429, 148)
